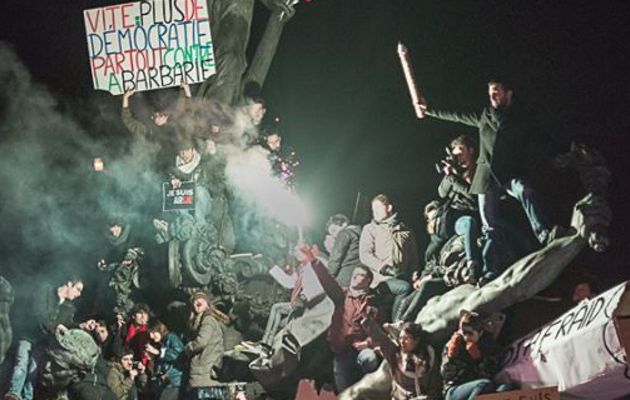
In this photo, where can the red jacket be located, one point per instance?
(345, 329)
(137, 338)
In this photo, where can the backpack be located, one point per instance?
(71, 353)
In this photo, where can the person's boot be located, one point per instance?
(487, 278)
(472, 276)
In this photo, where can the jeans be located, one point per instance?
(350, 367)
(25, 370)
(494, 228)
(470, 390)
(467, 227)
(277, 319)
(208, 393)
(399, 288)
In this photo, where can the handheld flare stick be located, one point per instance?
(403, 53)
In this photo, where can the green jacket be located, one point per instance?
(121, 384)
(205, 350)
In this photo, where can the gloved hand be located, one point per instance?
(453, 344)
(473, 350)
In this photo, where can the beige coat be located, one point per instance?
(392, 244)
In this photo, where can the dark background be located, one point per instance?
(337, 85)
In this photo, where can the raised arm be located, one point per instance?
(282, 6)
(470, 119)
(184, 97)
(136, 127)
(330, 285)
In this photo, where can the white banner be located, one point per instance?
(149, 44)
(579, 352)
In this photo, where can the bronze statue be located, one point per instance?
(525, 278)
(230, 23)
(7, 296)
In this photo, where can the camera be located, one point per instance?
(450, 159)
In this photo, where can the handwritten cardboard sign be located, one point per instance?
(149, 44)
(182, 198)
(550, 393)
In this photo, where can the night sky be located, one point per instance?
(337, 85)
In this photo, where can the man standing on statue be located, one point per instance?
(505, 133)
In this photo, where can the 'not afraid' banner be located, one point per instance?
(149, 44)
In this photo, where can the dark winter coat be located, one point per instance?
(45, 314)
(505, 137)
(162, 137)
(112, 348)
(344, 257)
(93, 384)
(114, 248)
(456, 192)
(460, 365)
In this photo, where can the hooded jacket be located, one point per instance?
(205, 350)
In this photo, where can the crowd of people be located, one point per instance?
(374, 275)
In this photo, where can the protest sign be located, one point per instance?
(149, 44)
(583, 352)
(550, 393)
(182, 198)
